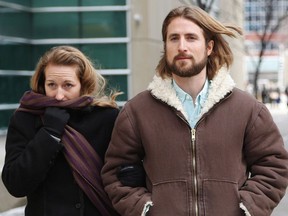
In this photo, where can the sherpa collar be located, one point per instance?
(219, 87)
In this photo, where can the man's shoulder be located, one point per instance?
(244, 99)
(244, 95)
(140, 96)
(142, 101)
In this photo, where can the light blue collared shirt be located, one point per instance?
(192, 109)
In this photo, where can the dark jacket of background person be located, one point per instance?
(35, 165)
(227, 161)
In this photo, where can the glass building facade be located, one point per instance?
(28, 28)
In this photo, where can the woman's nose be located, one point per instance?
(59, 94)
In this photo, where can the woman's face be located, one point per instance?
(61, 82)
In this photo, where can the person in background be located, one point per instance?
(286, 93)
(265, 95)
(207, 147)
(58, 136)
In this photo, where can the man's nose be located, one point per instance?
(182, 47)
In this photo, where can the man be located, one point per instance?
(207, 147)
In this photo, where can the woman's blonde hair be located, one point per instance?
(213, 30)
(92, 83)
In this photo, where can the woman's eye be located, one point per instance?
(68, 85)
(51, 85)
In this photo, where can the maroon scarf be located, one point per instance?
(85, 163)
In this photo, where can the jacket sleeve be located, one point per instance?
(267, 162)
(124, 148)
(29, 155)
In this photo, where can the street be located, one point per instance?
(280, 116)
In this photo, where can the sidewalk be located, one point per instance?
(280, 116)
(7, 201)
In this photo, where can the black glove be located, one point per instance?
(132, 175)
(54, 120)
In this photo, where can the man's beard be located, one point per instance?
(182, 71)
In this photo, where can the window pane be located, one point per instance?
(103, 2)
(70, 25)
(16, 57)
(104, 24)
(107, 56)
(14, 87)
(17, 24)
(50, 3)
(4, 118)
(56, 25)
(21, 2)
(54, 3)
(119, 83)
(104, 56)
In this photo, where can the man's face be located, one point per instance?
(186, 50)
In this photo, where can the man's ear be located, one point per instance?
(210, 46)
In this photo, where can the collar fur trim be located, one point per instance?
(219, 87)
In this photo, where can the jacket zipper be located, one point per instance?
(195, 182)
(193, 148)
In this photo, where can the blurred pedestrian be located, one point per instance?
(207, 148)
(274, 96)
(57, 138)
(265, 95)
(286, 93)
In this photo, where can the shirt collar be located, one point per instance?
(182, 95)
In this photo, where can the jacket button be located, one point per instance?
(78, 205)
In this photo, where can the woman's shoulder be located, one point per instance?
(105, 109)
(22, 116)
(95, 112)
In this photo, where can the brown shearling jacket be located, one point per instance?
(233, 163)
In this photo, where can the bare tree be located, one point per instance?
(273, 21)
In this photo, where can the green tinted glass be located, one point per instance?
(119, 83)
(103, 24)
(104, 56)
(14, 87)
(15, 23)
(56, 25)
(102, 2)
(16, 57)
(57, 3)
(54, 3)
(79, 25)
(107, 56)
(21, 2)
(4, 118)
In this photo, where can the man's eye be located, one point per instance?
(191, 38)
(174, 38)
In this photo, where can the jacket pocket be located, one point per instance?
(221, 197)
(169, 198)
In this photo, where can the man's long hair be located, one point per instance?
(212, 29)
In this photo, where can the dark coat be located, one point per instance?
(36, 167)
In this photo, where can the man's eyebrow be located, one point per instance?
(173, 35)
(192, 34)
(187, 34)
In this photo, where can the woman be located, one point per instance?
(58, 136)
